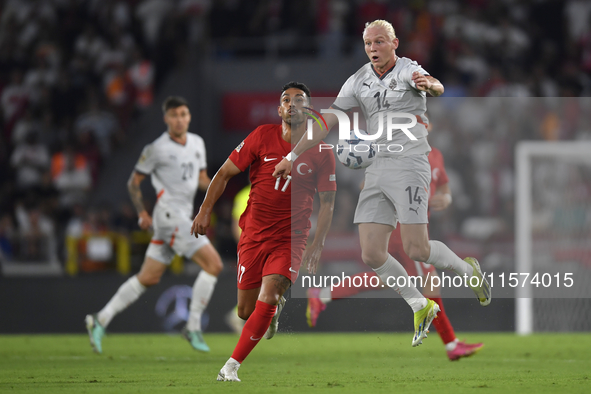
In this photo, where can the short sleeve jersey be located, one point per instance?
(379, 94)
(279, 214)
(174, 169)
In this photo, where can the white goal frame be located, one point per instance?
(524, 152)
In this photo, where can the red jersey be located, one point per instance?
(280, 214)
(438, 174)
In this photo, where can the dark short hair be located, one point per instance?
(297, 85)
(173, 102)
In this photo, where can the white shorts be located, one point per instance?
(172, 236)
(396, 190)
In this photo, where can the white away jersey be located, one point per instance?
(393, 91)
(175, 170)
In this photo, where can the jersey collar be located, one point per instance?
(388, 71)
(176, 142)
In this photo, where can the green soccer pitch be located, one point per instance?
(296, 363)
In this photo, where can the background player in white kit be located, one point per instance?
(397, 183)
(177, 163)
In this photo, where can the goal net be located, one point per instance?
(553, 236)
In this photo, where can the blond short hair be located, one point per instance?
(384, 24)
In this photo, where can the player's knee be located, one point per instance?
(217, 266)
(148, 280)
(271, 298)
(244, 312)
(210, 262)
(417, 252)
(213, 266)
(373, 258)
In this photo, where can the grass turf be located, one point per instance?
(344, 363)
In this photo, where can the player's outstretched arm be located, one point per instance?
(135, 193)
(427, 84)
(312, 254)
(283, 168)
(214, 191)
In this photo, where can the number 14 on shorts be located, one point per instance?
(413, 196)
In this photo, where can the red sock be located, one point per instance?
(442, 324)
(253, 330)
(347, 289)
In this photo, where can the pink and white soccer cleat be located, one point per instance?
(464, 349)
(315, 306)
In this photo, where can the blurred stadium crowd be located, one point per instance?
(477, 47)
(74, 74)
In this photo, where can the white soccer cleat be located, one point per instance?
(272, 330)
(229, 372)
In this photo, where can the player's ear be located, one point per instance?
(279, 110)
(395, 42)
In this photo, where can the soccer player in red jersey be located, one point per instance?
(439, 200)
(276, 222)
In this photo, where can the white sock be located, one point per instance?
(443, 258)
(128, 292)
(392, 268)
(451, 345)
(325, 295)
(202, 291)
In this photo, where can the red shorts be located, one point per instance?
(258, 259)
(413, 268)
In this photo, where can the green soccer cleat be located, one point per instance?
(96, 332)
(423, 319)
(482, 289)
(272, 330)
(196, 340)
